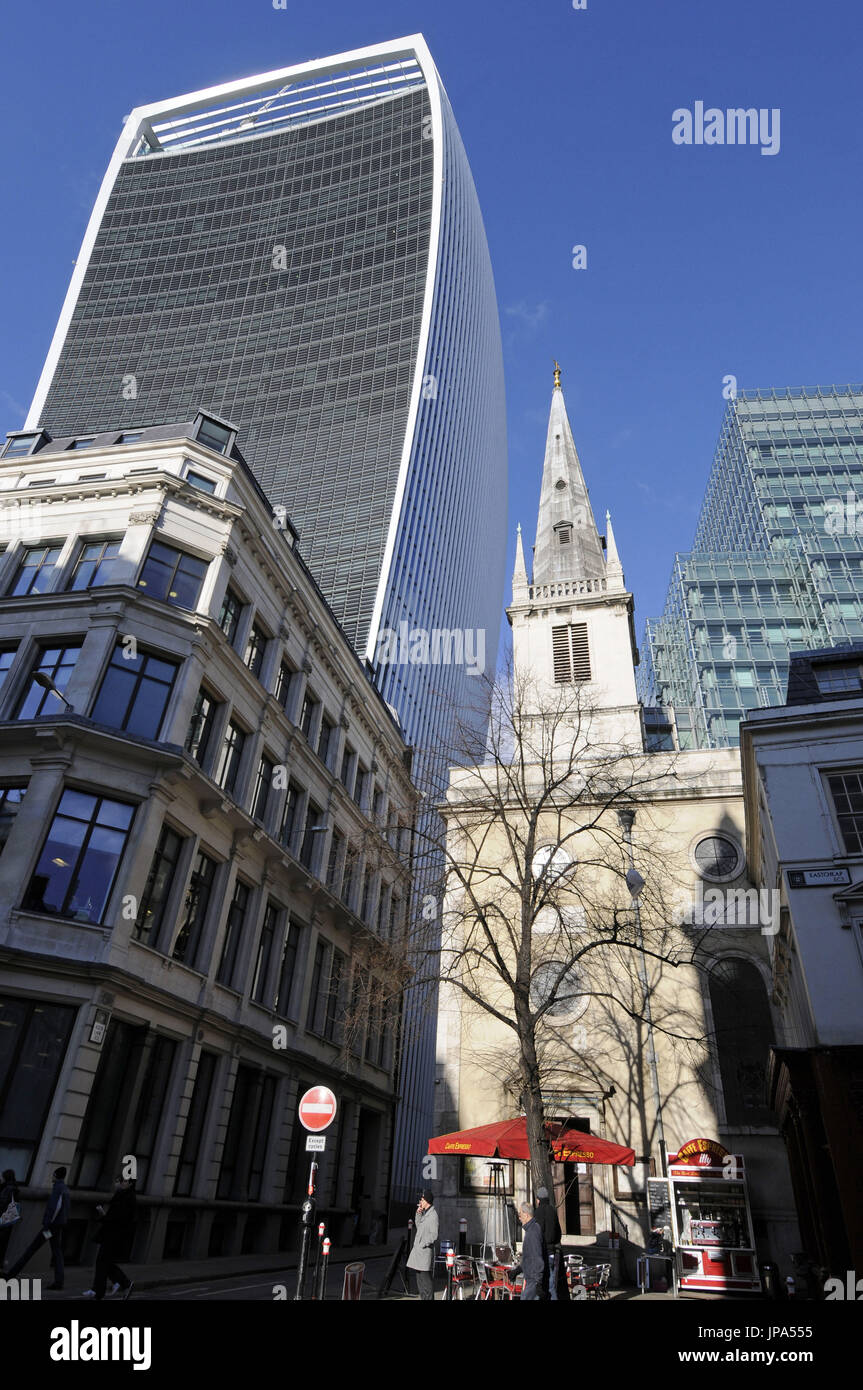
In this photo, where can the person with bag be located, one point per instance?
(55, 1218)
(10, 1211)
(115, 1234)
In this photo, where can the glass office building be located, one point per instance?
(303, 254)
(777, 563)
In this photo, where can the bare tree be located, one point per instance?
(532, 860)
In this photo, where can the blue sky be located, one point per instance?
(702, 261)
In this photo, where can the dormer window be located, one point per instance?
(564, 532)
(83, 443)
(20, 445)
(838, 678)
(213, 435)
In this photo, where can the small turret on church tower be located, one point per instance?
(573, 622)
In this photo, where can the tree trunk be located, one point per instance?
(534, 1109)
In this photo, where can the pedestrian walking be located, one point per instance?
(115, 1234)
(546, 1216)
(534, 1256)
(55, 1218)
(421, 1258)
(10, 1211)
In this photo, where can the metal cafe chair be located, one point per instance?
(444, 1248)
(574, 1269)
(464, 1274)
(596, 1281)
(495, 1282)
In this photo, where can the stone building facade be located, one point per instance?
(710, 1018)
(205, 815)
(803, 772)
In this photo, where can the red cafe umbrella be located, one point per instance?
(508, 1139)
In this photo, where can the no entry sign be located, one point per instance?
(317, 1109)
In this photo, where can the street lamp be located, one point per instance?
(635, 884)
(47, 684)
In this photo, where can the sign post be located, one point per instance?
(321, 1233)
(316, 1111)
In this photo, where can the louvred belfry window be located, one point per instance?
(571, 653)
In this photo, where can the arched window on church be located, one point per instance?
(743, 1033)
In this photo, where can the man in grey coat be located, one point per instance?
(421, 1258)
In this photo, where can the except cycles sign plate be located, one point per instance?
(317, 1109)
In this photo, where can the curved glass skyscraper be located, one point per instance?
(302, 253)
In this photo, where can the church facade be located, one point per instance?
(599, 901)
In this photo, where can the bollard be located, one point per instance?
(790, 1287)
(450, 1262)
(462, 1236)
(321, 1229)
(352, 1287)
(322, 1274)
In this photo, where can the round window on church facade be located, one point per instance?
(569, 1000)
(717, 858)
(558, 860)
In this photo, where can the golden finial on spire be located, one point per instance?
(557, 374)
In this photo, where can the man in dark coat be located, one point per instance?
(54, 1221)
(546, 1216)
(115, 1241)
(534, 1256)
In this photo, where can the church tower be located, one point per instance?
(572, 622)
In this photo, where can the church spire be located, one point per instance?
(613, 567)
(519, 574)
(567, 542)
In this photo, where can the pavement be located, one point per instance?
(266, 1277)
(254, 1275)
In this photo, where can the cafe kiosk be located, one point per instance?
(711, 1222)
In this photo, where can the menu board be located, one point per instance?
(659, 1202)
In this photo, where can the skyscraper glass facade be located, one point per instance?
(294, 272)
(777, 563)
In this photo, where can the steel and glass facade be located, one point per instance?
(303, 253)
(777, 563)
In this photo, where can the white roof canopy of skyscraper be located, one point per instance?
(276, 104)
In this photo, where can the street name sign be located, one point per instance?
(818, 878)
